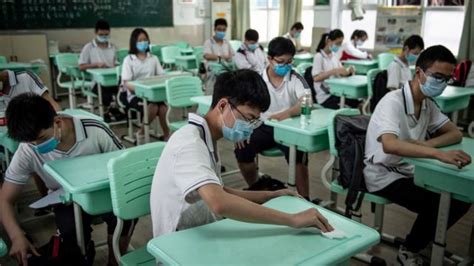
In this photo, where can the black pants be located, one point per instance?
(107, 94)
(425, 203)
(333, 102)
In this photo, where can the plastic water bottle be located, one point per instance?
(306, 105)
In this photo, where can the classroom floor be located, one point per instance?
(398, 220)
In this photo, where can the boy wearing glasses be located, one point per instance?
(408, 123)
(187, 190)
(285, 87)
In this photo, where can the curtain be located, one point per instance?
(290, 12)
(240, 18)
(466, 46)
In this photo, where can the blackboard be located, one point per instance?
(53, 14)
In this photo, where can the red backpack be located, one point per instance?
(461, 72)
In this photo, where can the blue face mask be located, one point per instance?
(334, 48)
(220, 35)
(297, 34)
(103, 38)
(411, 58)
(239, 132)
(48, 146)
(281, 69)
(433, 87)
(252, 47)
(142, 46)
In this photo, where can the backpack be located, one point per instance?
(267, 183)
(379, 89)
(309, 79)
(461, 72)
(350, 145)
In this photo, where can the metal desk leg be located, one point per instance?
(101, 106)
(454, 117)
(437, 256)
(292, 168)
(72, 95)
(79, 228)
(342, 103)
(146, 121)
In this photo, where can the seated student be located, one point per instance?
(44, 136)
(326, 65)
(398, 72)
(251, 55)
(351, 49)
(217, 48)
(286, 87)
(295, 36)
(187, 190)
(100, 53)
(140, 63)
(408, 123)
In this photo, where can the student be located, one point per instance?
(187, 190)
(408, 123)
(140, 63)
(398, 72)
(286, 87)
(45, 136)
(100, 53)
(326, 65)
(295, 36)
(217, 48)
(251, 55)
(351, 49)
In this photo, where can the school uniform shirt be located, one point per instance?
(395, 114)
(349, 48)
(23, 82)
(323, 62)
(296, 42)
(92, 54)
(92, 137)
(398, 73)
(134, 68)
(255, 60)
(189, 161)
(212, 47)
(286, 95)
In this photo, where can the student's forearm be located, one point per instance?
(405, 149)
(449, 134)
(211, 57)
(254, 196)
(83, 67)
(325, 75)
(9, 220)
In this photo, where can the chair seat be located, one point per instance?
(273, 152)
(174, 126)
(336, 187)
(77, 84)
(137, 257)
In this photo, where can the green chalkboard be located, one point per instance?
(53, 14)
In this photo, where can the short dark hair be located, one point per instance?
(242, 87)
(134, 38)
(437, 53)
(297, 26)
(102, 24)
(413, 42)
(332, 35)
(251, 35)
(220, 21)
(280, 46)
(27, 114)
(359, 34)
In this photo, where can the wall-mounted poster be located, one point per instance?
(394, 25)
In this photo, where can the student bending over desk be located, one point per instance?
(351, 49)
(187, 190)
(250, 55)
(408, 123)
(47, 136)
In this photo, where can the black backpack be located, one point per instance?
(309, 79)
(379, 89)
(350, 145)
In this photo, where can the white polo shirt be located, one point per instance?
(286, 95)
(323, 62)
(23, 82)
(296, 42)
(395, 114)
(189, 161)
(352, 50)
(255, 60)
(92, 137)
(398, 73)
(212, 47)
(92, 54)
(133, 68)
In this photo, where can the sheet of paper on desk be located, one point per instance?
(335, 234)
(50, 199)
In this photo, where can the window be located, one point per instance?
(307, 18)
(437, 31)
(446, 2)
(265, 18)
(368, 24)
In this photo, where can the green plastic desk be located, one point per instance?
(3, 248)
(454, 99)
(230, 242)
(186, 51)
(186, 62)
(362, 66)
(302, 58)
(450, 182)
(204, 103)
(313, 138)
(352, 87)
(105, 77)
(15, 66)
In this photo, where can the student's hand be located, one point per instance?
(20, 249)
(240, 145)
(101, 65)
(311, 218)
(351, 70)
(280, 116)
(340, 71)
(285, 192)
(457, 158)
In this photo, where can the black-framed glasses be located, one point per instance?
(253, 122)
(441, 78)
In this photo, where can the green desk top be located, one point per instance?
(361, 62)
(18, 66)
(452, 92)
(303, 56)
(185, 57)
(102, 71)
(318, 125)
(436, 175)
(352, 81)
(157, 82)
(230, 242)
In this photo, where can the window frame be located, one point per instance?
(267, 9)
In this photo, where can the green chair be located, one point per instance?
(121, 54)
(80, 112)
(155, 49)
(3, 248)
(235, 44)
(169, 54)
(384, 60)
(3, 59)
(370, 89)
(181, 45)
(179, 92)
(301, 68)
(131, 176)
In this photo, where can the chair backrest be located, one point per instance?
(181, 44)
(370, 80)
(64, 60)
(3, 59)
(121, 54)
(131, 176)
(384, 60)
(301, 68)
(84, 113)
(179, 91)
(155, 49)
(169, 54)
(235, 44)
(332, 127)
